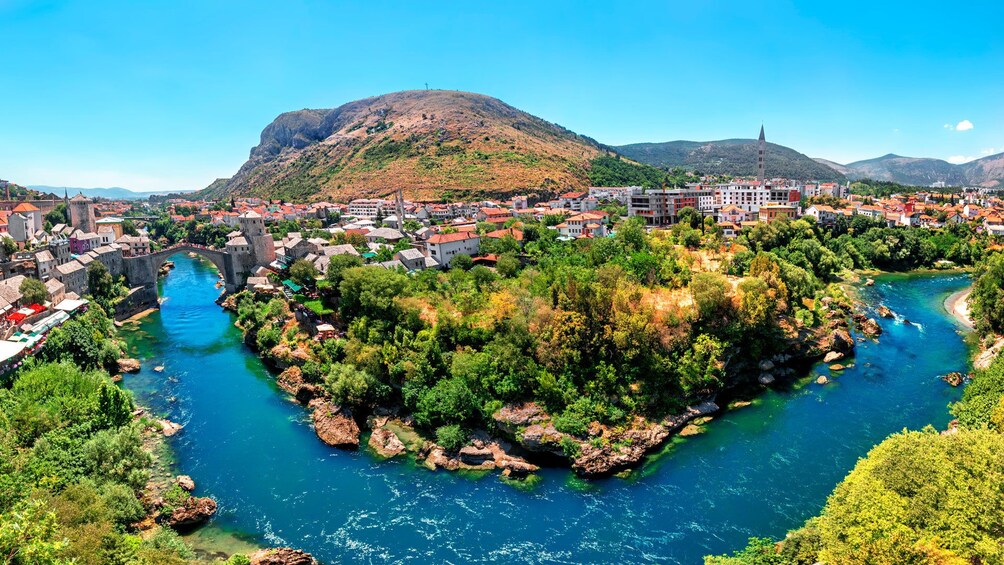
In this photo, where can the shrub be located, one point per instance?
(452, 437)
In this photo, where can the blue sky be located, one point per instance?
(163, 95)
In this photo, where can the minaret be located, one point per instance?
(399, 201)
(761, 153)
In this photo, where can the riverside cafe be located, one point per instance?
(29, 338)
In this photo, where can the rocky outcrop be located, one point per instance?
(542, 438)
(281, 556)
(885, 312)
(169, 428)
(624, 449)
(185, 482)
(128, 365)
(871, 328)
(839, 341)
(194, 512)
(833, 356)
(954, 378)
(291, 381)
(334, 424)
(483, 453)
(822, 380)
(386, 443)
(520, 414)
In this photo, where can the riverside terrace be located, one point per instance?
(30, 336)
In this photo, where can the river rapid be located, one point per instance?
(756, 471)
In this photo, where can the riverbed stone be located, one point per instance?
(822, 380)
(833, 356)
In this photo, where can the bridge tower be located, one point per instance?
(261, 242)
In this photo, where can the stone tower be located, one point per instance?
(761, 153)
(82, 213)
(261, 242)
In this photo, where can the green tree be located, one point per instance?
(370, 291)
(338, 264)
(33, 291)
(461, 261)
(303, 272)
(29, 534)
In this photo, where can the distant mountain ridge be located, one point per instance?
(986, 172)
(111, 193)
(428, 142)
(736, 157)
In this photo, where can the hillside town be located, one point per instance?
(395, 233)
(55, 241)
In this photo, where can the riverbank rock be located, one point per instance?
(953, 428)
(766, 379)
(986, 357)
(626, 448)
(520, 414)
(840, 341)
(185, 482)
(386, 443)
(169, 428)
(291, 381)
(127, 365)
(483, 453)
(837, 367)
(885, 312)
(869, 282)
(871, 328)
(822, 380)
(281, 556)
(542, 438)
(833, 356)
(334, 424)
(954, 378)
(195, 511)
(158, 369)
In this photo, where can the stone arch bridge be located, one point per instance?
(142, 271)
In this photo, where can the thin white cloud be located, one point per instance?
(989, 151)
(964, 125)
(960, 159)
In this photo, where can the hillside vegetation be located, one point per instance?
(424, 141)
(736, 157)
(987, 172)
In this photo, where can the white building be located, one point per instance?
(445, 246)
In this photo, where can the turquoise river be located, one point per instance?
(756, 471)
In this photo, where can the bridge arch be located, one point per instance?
(143, 270)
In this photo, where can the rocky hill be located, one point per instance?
(735, 157)
(913, 171)
(427, 142)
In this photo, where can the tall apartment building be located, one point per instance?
(662, 207)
